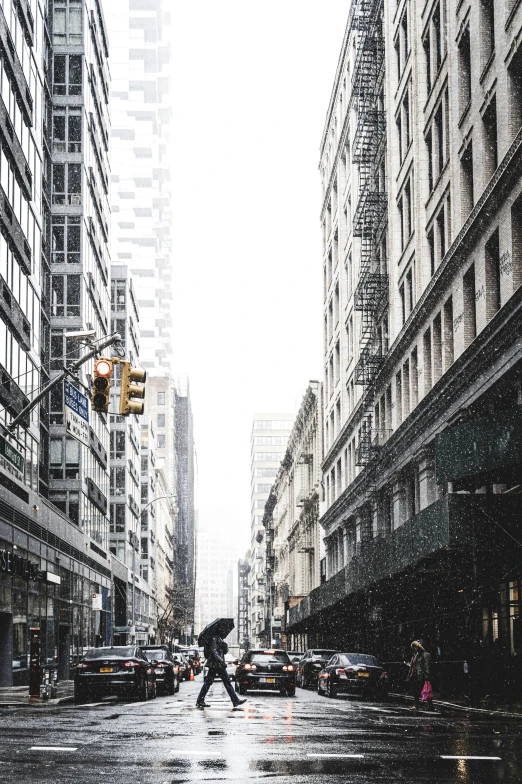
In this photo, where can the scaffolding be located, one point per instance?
(371, 293)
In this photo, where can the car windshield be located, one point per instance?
(263, 657)
(109, 653)
(323, 654)
(359, 658)
(159, 655)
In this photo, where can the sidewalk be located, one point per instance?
(19, 695)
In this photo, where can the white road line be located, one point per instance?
(198, 753)
(53, 748)
(465, 757)
(350, 756)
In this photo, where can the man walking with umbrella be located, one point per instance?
(215, 649)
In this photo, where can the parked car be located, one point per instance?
(353, 673)
(120, 671)
(184, 665)
(266, 669)
(295, 657)
(166, 669)
(232, 663)
(311, 665)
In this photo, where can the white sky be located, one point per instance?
(252, 83)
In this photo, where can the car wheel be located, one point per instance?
(143, 691)
(79, 696)
(173, 686)
(331, 691)
(154, 690)
(178, 680)
(290, 692)
(319, 690)
(305, 682)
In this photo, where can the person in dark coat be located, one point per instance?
(215, 651)
(419, 673)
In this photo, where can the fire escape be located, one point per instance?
(371, 294)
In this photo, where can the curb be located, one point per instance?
(465, 708)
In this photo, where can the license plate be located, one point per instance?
(363, 674)
(106, 669)
(267, 680)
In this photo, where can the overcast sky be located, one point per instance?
(251, 82)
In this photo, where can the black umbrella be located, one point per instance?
(221, 626)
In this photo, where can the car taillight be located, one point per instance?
(289, 667)
(340, 672)
(384, 674)
(250, 667)
(130, 664)
(83, 666)
(160, 664)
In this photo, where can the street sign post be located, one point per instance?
(76, 407)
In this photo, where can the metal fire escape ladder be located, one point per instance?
(372, 289)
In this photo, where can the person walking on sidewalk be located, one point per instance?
(419, 673)
(215, 651)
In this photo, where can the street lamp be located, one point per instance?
(134, 541)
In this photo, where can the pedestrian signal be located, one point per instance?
(130, 390)
(101, 385)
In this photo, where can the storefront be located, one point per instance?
(42, 587)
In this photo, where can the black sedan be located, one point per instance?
(165, 667)
(122, 671)
(353, 673)
(266, 669)
(311, 665)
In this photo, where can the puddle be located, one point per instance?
(312, 767)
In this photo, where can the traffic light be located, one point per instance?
(101, 385)
(129, 390)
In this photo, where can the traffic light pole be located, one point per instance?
(107, 341)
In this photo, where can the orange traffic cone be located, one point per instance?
(191, 675)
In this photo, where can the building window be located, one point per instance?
(119, 295)
(467, 180)
(67, 74)
(448, 333)
(67, 22)
(118, 438)
(464, 61)
(64, 458)
(427, 360)
(404, 124)
(161, 420)
(66, 239)
(118, 480)
(402, 42)
(67, 183)
(515, 92)
(470, 304)
(65, 295)
(492, 275)
(487, 30)
(67, 130)
(161, 398)
(68, 502)
(161, 442)
(117, 518)
(405, 213)
(489, 131)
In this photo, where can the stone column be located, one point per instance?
(346, 544)
(427, 486)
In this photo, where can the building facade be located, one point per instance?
(420, 162)
(267, 448)
(243, 604)
(140, 164)
(216, 578)
(53, 268)
(294, 547)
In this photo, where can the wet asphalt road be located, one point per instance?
(289, 740)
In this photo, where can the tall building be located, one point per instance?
(140, 168)
(185, 535)
(243, 605)
(422, 227)
(267, 448)
(53, 276)
(216, 578)
(294, 547)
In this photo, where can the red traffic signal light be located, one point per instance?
(101, 385)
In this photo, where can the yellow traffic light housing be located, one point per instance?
(101, 385)
(130, 390)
